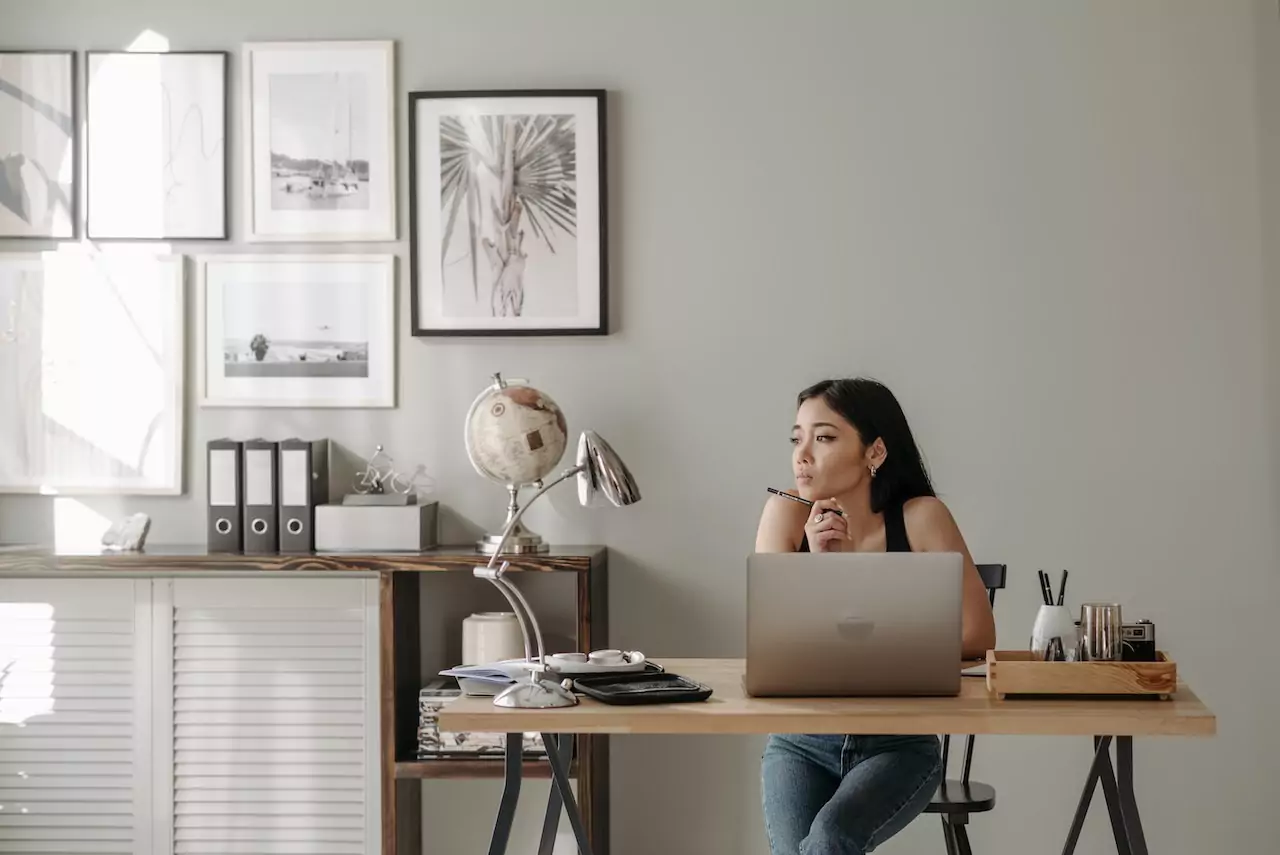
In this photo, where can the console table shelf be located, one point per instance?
(489, 767)
(36, 561)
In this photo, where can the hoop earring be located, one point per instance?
(873, 470)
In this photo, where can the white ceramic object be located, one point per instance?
(1055, 622)
(491, 637)
(572, 663)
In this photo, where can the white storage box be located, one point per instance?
(374, 528)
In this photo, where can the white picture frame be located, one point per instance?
(333, 311)
(156, 145)
(93, 344)
(39, 146)
(320, 136)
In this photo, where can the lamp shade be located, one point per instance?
(603, 473)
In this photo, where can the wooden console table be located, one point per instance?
(400, 578)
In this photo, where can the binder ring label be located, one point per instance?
(259, 525)
(294, 526)
(223, 525)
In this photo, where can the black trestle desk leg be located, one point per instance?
(560, 771)
(1114, 810)
(510, 794)
(1128, 802)
(1102, 749)
(551, 822)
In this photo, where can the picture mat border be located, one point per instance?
(387, 398)
(601, 98)
(178, 392)
(391, 233)
(76, 150)
(226, 144)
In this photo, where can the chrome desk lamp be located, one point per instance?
(600, 472)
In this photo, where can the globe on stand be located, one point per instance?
(515, 436)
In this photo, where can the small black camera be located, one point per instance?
(1139, 642)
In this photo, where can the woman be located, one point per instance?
(845, 795)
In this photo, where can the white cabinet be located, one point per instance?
(190, 716)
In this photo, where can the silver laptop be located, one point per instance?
(853, 623)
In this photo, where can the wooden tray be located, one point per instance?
(1018, 672)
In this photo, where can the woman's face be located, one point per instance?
(829, 458)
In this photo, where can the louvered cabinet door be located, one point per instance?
(75, 724)
(274, 731)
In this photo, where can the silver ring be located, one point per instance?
(818, 518)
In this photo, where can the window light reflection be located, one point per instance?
(26, 668)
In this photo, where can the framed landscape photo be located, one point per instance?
(507, 213)
(91, 398)
(296, 330)
(320, 132)
(39, 193)
(156, 129)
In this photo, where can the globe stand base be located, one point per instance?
(525, 544)
(520, 541)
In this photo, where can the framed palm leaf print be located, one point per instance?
(507, 213)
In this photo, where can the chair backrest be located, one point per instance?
(993, 579)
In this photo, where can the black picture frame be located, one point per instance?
(223, 161)
(549, 215)
(73, 204)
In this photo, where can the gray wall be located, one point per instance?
(1049, 227)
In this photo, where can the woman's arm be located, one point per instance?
(931, 528)
(781, 525)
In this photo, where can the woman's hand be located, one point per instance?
(826, 530)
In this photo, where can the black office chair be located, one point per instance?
(955, 800)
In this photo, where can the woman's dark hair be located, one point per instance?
(875, 413)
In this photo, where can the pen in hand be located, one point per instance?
(802, 501)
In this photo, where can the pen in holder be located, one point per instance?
(1055, 636)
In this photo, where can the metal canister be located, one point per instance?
(1101, 631)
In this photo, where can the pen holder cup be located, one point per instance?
(1055, 622)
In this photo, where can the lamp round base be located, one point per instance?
(539, 695)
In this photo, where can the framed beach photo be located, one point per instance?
(320, 132)
(507, 213)
(296, 330)
(91, 398)
(156, 129)
(39, 191)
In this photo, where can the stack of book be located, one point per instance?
(436, 743)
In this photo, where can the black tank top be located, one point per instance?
(895, 532)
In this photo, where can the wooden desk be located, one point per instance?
(729, 710)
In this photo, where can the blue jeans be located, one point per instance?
(844, 795)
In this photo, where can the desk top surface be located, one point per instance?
(730, 711)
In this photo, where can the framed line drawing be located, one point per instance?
(156, 127)
(39, 153)
(296, 330)
(507, 213)
(321, 142)
(93, 393)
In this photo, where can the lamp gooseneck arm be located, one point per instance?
(518, 603)
(541, 650)
(506, 588)
(515, 520)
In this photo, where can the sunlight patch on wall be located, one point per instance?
(149, 40)
(76, 525)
